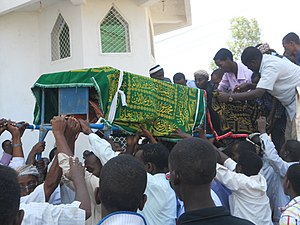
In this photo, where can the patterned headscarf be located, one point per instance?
(27, 170)
(199, 73)
(263, 48)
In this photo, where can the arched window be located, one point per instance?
(114, 32)
(60, 39)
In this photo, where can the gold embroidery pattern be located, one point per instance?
(160, 106)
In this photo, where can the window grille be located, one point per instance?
(60, 40)
(114, 32)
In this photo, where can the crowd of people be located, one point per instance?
(255, 180)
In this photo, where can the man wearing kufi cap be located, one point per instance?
(157, 72)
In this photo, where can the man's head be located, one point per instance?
(92, 163)
(248, 163)
(192, 163)
(290, 151)
(224, 60)
(9, 197)
(251, 57)
(157, 72)
(291, 43)
(291, 182)
(7, 147)
(179, 78)
(122, 185)
(28, 179)
(154, 157)
(216, 76)
(240, 146)
(201, 78)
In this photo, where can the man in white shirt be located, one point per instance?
(279, 77)
(249, 198)
(121, 190)
(161, 204)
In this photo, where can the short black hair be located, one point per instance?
(122, 183)
(293, 147)
(245, 145)
(250, 162)
(291, 37)
(9, 195)
(195, 160)
(218, 72)
(3, 143)
(293, 175)
(249, 54)
(178, 76)
(157, 154)
(223, 54)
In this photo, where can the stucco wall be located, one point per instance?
(25, 44)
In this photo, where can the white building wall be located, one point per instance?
(19, 68)
(25, 43)
(47, 19)
(139, 59)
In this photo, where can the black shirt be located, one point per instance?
(211, 216)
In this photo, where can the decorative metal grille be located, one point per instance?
(121, 140)
(60, 40)
(114, 31)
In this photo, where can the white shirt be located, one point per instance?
(123, 218)
(279, 165)
(191, 84)
(47, 214)
(275, 189)
(16, 162)
(38, 195)
(280, 78)
(161, 204)
(248, 199)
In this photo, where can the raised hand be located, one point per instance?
(76, 173)
(59, 124)
(261, 124)
(3, 124)
(39, 147)
(146, 133)
(85, 127)
(22, 127)
(13, 129)
(179, 133)
(73, 129)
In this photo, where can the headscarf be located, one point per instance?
(27, 170)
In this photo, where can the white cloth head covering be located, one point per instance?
(155, 69)
(199, 73)
(27, 170)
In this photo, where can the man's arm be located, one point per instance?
(53, 179)
(37, 148)
(278, 164)
(100, 147)
(76, 174)
(250, 95)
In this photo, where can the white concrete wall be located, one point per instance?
(139, 59)
(25, 44)
(47, 19)
(19, 68)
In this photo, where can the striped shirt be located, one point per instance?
(291, 214)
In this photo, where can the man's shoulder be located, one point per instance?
(211, 216)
